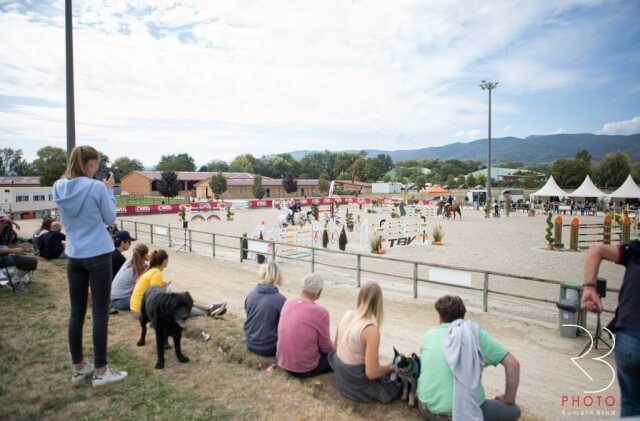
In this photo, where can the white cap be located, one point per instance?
(312, 283)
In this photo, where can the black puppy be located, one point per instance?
(168, 313)
(407, 370)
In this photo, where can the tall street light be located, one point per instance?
(71, 115)
(489, 86)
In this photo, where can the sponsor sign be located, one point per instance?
(448, 276)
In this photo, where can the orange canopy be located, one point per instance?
(435, 190)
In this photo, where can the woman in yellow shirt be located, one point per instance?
(152, 277)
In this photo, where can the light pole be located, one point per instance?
(489, 86)
(71, 115)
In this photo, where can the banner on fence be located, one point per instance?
(449, 276)
(175, 208)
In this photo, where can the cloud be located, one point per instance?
(560, 130)
(624, 127)
(221, 78)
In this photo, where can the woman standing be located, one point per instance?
(86, 207)
(359, 376)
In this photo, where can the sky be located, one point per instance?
(216, 79)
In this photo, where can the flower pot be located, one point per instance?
(438, 243)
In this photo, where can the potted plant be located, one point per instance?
(349, 221)
(438, 235)
(376, 244)
(325, 238)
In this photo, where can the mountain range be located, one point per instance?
(530, 150)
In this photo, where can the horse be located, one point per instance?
(452, 209)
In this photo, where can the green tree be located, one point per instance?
(280, 165)
(203, 168)
(169, 185)
(217, 165)
(12, 163)
(584, 156)
(343, 176)
(323, 185)
(421, 182)
(636, 173)
(377, 167)
(471, 181)
(570, 173)
(125, 165)
(481, 180)
(613, 170)
(359, 169)
(290, 183)
(257, 189)
(180, 162)
(218, 185)
(50, 164)
(244, 163)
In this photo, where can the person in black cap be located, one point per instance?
(122, 241)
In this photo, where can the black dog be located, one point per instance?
(168, 313)
(407, 370)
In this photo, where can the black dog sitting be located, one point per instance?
(407, 370)
(168, 313)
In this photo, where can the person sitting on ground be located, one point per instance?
(122, 242)
(303, 332)
(151, 277)
(125, 280)
(263, 306)
(14, 257)
(453, 355)
(44, 228)
(359, 376)
(51, 244)
(8, 236)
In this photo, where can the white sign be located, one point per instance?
(448, 276)
(259, 247)
(160, 230)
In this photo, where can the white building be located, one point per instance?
(24, 198)
(386, 188)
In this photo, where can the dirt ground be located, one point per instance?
(515, 245)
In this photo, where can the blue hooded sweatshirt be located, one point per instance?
(263, 306)
(86, 207)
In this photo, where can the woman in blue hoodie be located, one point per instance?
(86, 207)
(263, 306)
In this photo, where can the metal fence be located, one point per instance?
(211, 244)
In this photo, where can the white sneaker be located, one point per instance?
(78, 377)
(108, 377)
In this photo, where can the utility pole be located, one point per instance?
(71, 114)
(489, 86)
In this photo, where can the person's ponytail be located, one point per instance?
(157, 258)
(78, 159)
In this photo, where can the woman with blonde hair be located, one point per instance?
(359, 376)
(125, 279)
(86, 207)
(263, 306)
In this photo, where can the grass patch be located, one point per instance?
(145, 201)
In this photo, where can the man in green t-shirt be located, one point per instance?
(436, 382)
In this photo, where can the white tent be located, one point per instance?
(628, 190)
(550, 189)
(587, 189)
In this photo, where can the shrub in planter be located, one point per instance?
(325, 238)
(376, 243)
(342, 240)
(438, 235)
(349, 221)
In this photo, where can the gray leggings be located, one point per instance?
(94, 273)
(492, 410)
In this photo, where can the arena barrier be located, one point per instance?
(158, 209)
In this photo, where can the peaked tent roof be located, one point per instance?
(550, 189)
(628, 190)
(587, 189)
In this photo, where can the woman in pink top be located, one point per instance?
(359, 376)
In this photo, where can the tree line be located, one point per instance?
(609, 173)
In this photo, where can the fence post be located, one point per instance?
(606, 229)
(313, 259)
(169, 234)
(241, 259)
(485, 293)
(190, 242)
(213, 245)
(151, 232)
(626, 229)
(575, 233)
(121, 225)
(135, 229)
(358, 272)
(415, 280)
(273, 251)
